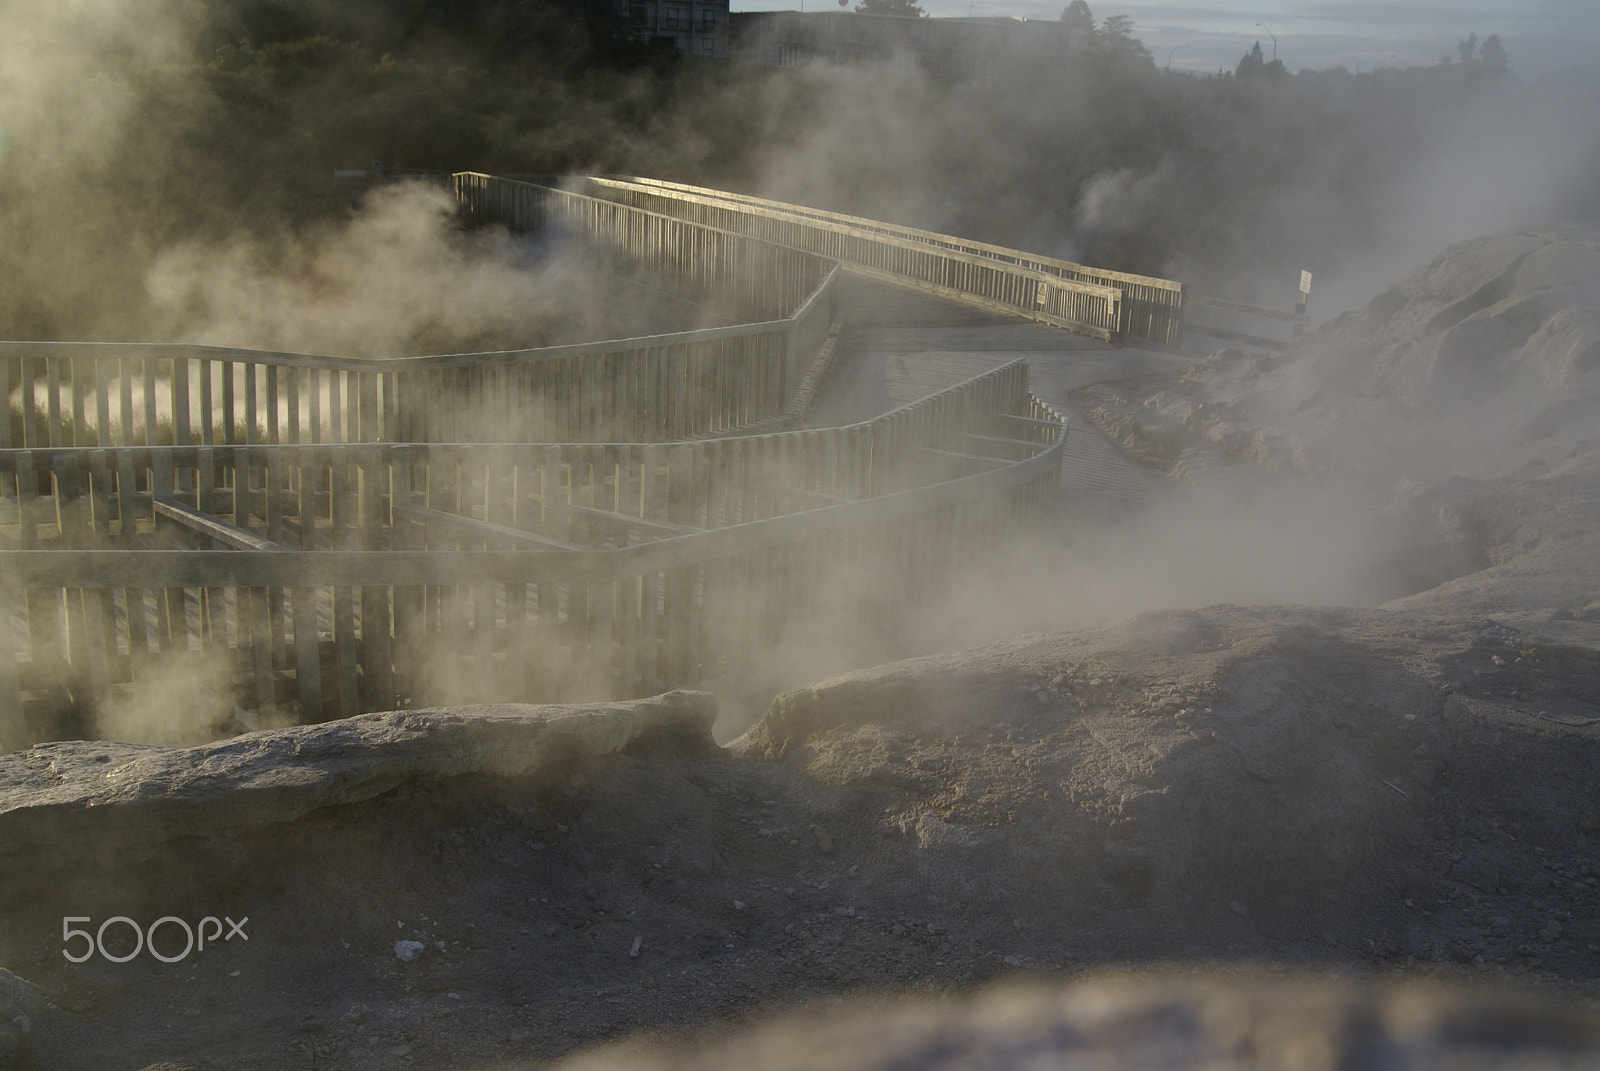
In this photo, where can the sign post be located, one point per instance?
(1300, 306)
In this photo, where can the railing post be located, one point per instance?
(14, 734)
(377, 655)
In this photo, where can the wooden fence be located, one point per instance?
(1059, 292)
(1239, 314)
(608, 519)
(332, 578)
(1152, 309)
(659, 388)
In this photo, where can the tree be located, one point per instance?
(1493, 55)
(1478, 61)
(905, 8)
(1079, 22)
(1115, 38)
(1077, 13)
(1251, 63)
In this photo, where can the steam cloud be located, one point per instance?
(397, 280)
(121, 222)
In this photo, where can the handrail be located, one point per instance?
(680, 558)
(111, 568)
(593, 520)
(98, 351)
(1149, 309)
(1065, 268)
(126, 394)
(1153, 309)
(1298, 320)
(1080, 305)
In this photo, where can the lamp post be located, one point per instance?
(1173, 49)
(1263, 26)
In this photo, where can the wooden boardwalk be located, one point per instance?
(897, 346)
(609, 519)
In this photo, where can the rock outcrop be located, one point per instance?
(59, 797)
(1247, 1019)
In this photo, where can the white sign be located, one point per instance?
(1305, 282)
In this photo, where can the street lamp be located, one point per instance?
(1173, 49)
(1263, 26)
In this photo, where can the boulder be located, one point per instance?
(1246, 1018)
(23, 1011)
(78, 792)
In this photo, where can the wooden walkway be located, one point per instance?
(609, 519)
(897, 346)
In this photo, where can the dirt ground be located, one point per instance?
(1400, 792)
(1336, 791)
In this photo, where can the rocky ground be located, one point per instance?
(1226, 1019)
(1333, 818)
(1456, 421)
(1371, 792)
(1482, 364)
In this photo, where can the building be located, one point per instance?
(951, 48)
(695, 27)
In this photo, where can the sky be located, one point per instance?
(1539, 35)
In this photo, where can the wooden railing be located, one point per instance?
(949, 268)
(602, 520)
(1152, 309)
(1241, 313)
(336, 578)
(1146, 308)
(766, 280)
(658, 388)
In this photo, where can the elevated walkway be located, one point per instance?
(612, 519)
(601, 520)
(897, 346)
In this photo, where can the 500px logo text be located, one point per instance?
(194, 937)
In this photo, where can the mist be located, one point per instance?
(130, 138)
(1406, 787)
(399, 279)
(1230, 185)
(168, 177)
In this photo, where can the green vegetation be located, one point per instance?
(903, 8)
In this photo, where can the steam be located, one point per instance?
(123, 221)
(95, 100)
(398, 280)
(1229, 185)
(191, 702)
(1234, 188)
(111, 182)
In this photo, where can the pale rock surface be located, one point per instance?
(1244, 1019)
(133, 795)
